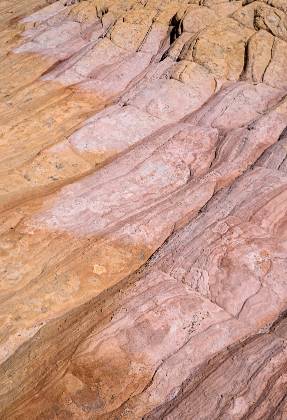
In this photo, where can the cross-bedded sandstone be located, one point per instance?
(143, 208)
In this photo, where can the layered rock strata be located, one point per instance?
(143, 208)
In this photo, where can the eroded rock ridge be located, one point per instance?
(143, 208)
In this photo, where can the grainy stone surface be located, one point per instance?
(143, 209)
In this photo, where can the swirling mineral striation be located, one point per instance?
(143, 208)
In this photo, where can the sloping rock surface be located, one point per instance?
(143, 209)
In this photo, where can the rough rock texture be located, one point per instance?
(143, 208)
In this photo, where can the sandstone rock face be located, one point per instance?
(143, 208)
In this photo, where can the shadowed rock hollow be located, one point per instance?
(143, 199)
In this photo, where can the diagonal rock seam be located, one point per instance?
(143, 209)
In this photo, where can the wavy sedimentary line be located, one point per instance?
(47, 114)
(250, 364)
(197, 279)
(51, 180)
(16, 178)
(194, 319)
(209, 285)
(100, 269)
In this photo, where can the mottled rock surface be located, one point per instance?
(143, 208)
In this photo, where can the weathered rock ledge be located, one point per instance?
(143, 208)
